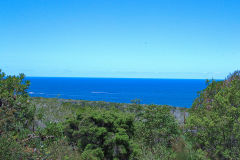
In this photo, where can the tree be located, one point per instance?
(156, 130)
(214, 121)
(102, 133)
(15, 108)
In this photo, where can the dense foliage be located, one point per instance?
(38, 128)
(103, 133)
(156, 130)
(15, 109)
(214, 121)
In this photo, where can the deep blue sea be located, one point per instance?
(176, 92)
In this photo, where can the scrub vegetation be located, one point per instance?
(43, 128)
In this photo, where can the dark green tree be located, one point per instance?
(16, 112)
(102, 133)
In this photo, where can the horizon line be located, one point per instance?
(122, 77)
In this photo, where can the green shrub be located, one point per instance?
(183, 150)
(53, 129)
(156, 125)
(61, 149)
(10, 149)
(103, 133)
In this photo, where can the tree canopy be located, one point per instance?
(214, 121)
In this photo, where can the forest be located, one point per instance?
(52, 128)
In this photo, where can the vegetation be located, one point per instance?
(214, 121)
(40, 128)
(16, 111)
(156, 130)
(103, 133)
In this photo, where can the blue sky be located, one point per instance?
(120, 38)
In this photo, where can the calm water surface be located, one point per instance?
(176, 92)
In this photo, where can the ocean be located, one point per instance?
(175, 92)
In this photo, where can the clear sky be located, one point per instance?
(120, 38)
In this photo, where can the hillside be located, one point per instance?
(51, 128)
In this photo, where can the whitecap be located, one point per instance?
(94, 92)
(100, 92)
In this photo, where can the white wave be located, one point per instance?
(100, 92)
(94, 92)
(31, 92)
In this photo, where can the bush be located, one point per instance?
(157, 126)
(61, 150)
(10, 149)
(52, 129)
(102, 133)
